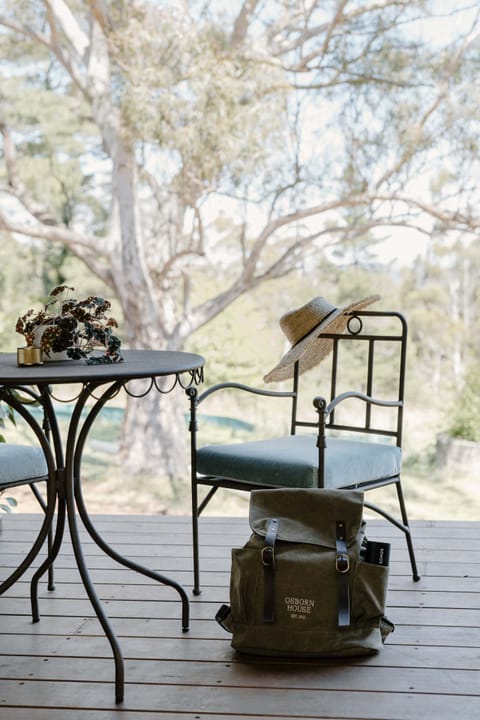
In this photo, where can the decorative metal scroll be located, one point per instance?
(64, 400)
(195, 377)
(132, 394)
(352, 329)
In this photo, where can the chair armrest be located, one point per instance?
(196, 398)
(329, 407)
(324, 409)
(239, 386)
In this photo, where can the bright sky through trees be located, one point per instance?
(403, 251)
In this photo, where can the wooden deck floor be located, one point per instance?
(61, 668)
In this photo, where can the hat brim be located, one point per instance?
(312, 349)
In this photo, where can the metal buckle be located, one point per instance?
(342, 563)
(268, 556)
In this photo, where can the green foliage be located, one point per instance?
(439, 295)
(211, 106)
(464, 416)
(54, 133)
(232, 341)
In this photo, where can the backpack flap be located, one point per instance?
(307, 515)
(330, 519)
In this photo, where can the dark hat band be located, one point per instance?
(314, 327)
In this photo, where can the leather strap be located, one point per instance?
(268, 562)
(342, 565)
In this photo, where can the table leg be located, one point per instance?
(69, 481)
(94, 599)
(35, 549)
(52, 554)
(80, 504)
(126, 562)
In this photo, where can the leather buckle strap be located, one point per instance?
(268, 562)
(342, 564)
(268, 556)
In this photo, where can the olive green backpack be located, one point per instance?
(302, 585)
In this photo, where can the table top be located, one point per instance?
(137, 364)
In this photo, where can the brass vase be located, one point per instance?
(29, 355)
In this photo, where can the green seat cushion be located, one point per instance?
(292, 461)
(21, 462)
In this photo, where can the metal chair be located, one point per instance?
(353, 442)
(22, 464)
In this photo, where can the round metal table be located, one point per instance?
(23, 385)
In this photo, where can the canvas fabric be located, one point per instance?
(309, 584)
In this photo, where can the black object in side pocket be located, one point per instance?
(377, 553)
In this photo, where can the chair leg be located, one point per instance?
(408, 535)
(403, 526)
(50, 578)
(196, 563)
(196, 512)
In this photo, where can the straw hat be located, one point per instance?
(303, 328)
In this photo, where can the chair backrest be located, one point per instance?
(369, 358)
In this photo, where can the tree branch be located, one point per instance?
(59, 11)
(342, 19)
(441, 96)
(453, 219)
(84, 247)
(100, 13)
(241, 24)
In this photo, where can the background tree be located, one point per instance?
(441, 294)
(188, 152)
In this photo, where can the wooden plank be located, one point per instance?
(222, 564)
(297, 676)
(138, 587)
(159, 549)
(153, 608)
(276, 703)
(197, 649)
(163, 528)
(120, 523)
(62, 667)
(35, 713)
(236, 528)
(409, 635)
(116, 575)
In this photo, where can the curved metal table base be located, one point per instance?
(64, 486)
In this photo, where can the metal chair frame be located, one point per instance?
(325, 422)
(18, 403)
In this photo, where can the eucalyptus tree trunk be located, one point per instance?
(154, 436)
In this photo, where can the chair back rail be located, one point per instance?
(359, 331)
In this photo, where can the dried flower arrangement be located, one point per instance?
(74, 327)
